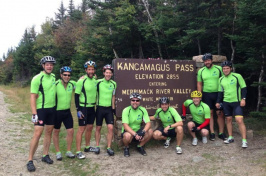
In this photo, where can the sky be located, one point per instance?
(17, 15)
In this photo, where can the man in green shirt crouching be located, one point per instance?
(132, 117)
(172, 124)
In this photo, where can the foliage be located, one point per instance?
(104, 30)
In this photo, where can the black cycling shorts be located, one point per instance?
(64, 116)
(46, 116)
(134, 139)
(104, 113)
(197, 125)
(210, 99)
(89, 116)
(171, 132)
(232, 109)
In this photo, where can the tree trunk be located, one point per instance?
(199, 46)
(260, 80)
(150, 20)
(141, 56)
(231, 41)
(219, 45)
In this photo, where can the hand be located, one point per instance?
(217, 105)
(34, 118)
(114, 111)
(221, 106)
(141, 133)
(243, 103)
(194, 129)
(183, 118)
(165, 130)
(80, 115)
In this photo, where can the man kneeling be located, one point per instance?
(132, 117)
(172, 124)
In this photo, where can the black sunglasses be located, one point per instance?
(66, 75)
(135, 100)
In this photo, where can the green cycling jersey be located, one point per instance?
(86, 88)
(199, 113)
(105, 91)
(134, 117)
(64, 95)
(209, 78)
(44, 85)
(231, 86)
(169, 117)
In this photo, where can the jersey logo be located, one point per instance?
(214, 73)
(110, 87)
(232, 81)
(200, 112)
(139, 117)
(169, 119)
(69, 88)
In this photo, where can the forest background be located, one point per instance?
(167, 29)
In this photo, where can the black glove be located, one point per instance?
(183, 117)
(221, 106)
(114, 111)
(194, 129)
(141, 133)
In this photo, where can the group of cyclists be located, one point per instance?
(218, 89)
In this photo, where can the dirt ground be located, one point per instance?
(213, 158)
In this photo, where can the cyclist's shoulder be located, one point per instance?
(201, 69)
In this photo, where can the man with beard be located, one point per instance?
(64, 89)
(232, 93)
(85, 99)
(132, 117)
(42, 100)
(106, 88)
(207, 83)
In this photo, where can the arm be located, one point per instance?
(77, 101)
(33, 98)
(113, 102)
(152, 118)
(147, 126)
(199, 86)
(128, 129)
(204, 124)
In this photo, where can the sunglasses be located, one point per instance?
(135, 100)
(66, 75)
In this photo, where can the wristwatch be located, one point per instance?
(244, 98)
(170, 126)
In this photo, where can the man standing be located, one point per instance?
(64, 90)
(207, 83)
(42, 102)
(132, 117)
(200, 117)
(85, 99)
(105, 108)
(172, 124)
(232, 92)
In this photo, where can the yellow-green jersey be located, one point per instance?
(86, 89)
(134, 117)
(233, 87)
(168, 117)
(44, 85)
(209, 78)
(64, 95)
(199, 113)
(105, 91)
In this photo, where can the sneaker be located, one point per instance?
(141, 151)
(222, 136)
(244, 144)
(212, 136)
(178, 150)
(80, 155)
(195, 141)
(97, 150)
(47, 159)
(59, 156)
(90, 149)
(70, 155)
(30, 166)
(126, 152)
(110, 152)
(229, 140)
(167, 142)
(204, 140)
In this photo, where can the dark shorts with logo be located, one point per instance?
(231, 109)
(171, 132)
(63, 116)
(89, 116)
(46, 116)
(210, 99)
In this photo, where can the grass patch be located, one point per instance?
(258, 126)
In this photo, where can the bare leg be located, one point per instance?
(47, 138)
(88, 134)
(98, 135)
(80, 131)
(56, 139)
(35, 140)
(110, 128)
(69, 138)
